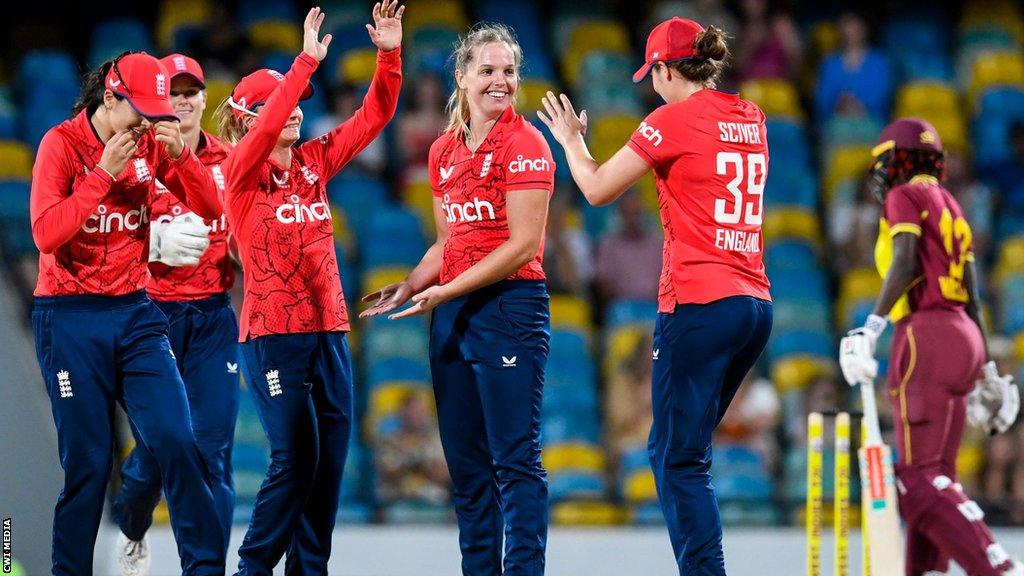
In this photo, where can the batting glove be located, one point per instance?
(182, 241)
(995, 401)
(857, 351)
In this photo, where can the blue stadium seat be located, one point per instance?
(791, 256)
(743, 487)
(112, 37)
(1005, 102)
(800, 314)
(809, 284)
(568, 425)
(730, 459)
(357, 196)
(788, 143)
(402, 369)
(623, 312)
(576, 485)
(569, 344)
(800, 343)
(15, 224)
(250, 11)
(790, 185)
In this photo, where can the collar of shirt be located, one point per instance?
(506, 121)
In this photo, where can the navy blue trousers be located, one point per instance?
(488, 352)
(302, 385)
(94, 351)
(702, 352)
(204, 338)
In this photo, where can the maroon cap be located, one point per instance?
(255, 89)
(674, 39)
(143, 81)
(912, 133)
(179, 64)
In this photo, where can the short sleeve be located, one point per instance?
(529, 164)
(649, 138)
(903, 212)
(433, 162)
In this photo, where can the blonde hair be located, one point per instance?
(465, 50)
(229, 126)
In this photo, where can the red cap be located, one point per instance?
(911, 133)
(179, 64)
(674, 39)
(143, 81)
(255, 89)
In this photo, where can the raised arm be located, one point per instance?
(601, 184)
(244, 162)
(56, 216)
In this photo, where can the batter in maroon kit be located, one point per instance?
(294, 317)
(939, 348)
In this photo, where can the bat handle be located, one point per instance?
(867, 394)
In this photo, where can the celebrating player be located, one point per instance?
(294, 317)
(939, 349)
(709, 154)
(99, 338)
(492, 175)
(191, 275)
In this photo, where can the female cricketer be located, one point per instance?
(709, 153)
(492, 176)
(939, 349)
(191, 276)
(294, 319)
(99, 338)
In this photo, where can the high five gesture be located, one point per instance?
(386, 32)
(311, 42)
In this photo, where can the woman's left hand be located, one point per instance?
(561, 118)
(386, 32)
(168, 133)
(424, 302)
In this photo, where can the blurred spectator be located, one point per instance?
(629, 261)
(628, 399)
(1003, 477)
(854, 229)
(975, 198)
(857, 79)
(410, 463)
(422, 120)
(751, 419)
(768, 46)
(346, 99)
(568, 264)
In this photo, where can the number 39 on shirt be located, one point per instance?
(749, 170)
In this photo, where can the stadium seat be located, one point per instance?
(638, 486)
(112, 37)
(174, 15)
(792, 255)
(530, 93)
(570, 312)
(843, 163)
(587, 513)
(357, 66)
(630, 312)
(775, 97)
(791, 223)
(15, 160)
(788, 136)
(52, 66)
(797, 371)
(397, 370)
(922, 99)
(569, 426)
(996, 69)
(217, 91)
(427, 12)
(855, 286)
(798, 314)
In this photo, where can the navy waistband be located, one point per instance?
(511, 288)
(215, 302)
(90, 301)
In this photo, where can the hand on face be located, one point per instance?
(168, 133)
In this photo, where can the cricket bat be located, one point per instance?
(878, 495)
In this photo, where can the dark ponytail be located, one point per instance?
(710, 61)
(94, 85)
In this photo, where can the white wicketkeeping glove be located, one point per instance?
(857, 351)
(995, 401)
(180, 242)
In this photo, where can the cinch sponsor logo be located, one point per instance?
(297, 212)
(650, 132)
(467, 211)
(103, 221)
(521, 164)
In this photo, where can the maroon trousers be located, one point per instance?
(936, 357)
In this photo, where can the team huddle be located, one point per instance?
(140, 216)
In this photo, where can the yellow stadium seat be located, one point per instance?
(588, 36)
(1018, 346)
(620, 346)
(387, 399)
(1011, 255)
(419, 197)
(639, 487)
(429, 12)
(15, 160)
(275, 35)
(217, 91)
(997, 69)
(824, 37)
(791, 223)
(570, 312)
(970, 460)
(843, 163)
(855, 287)
(342, 230)
(573, 456)
(357, 66)
(588, 513)
(795, 372)
(531, 91)
(775, 97)
(610, 133)
(926, 99)
(952, 130)
(174, 14)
